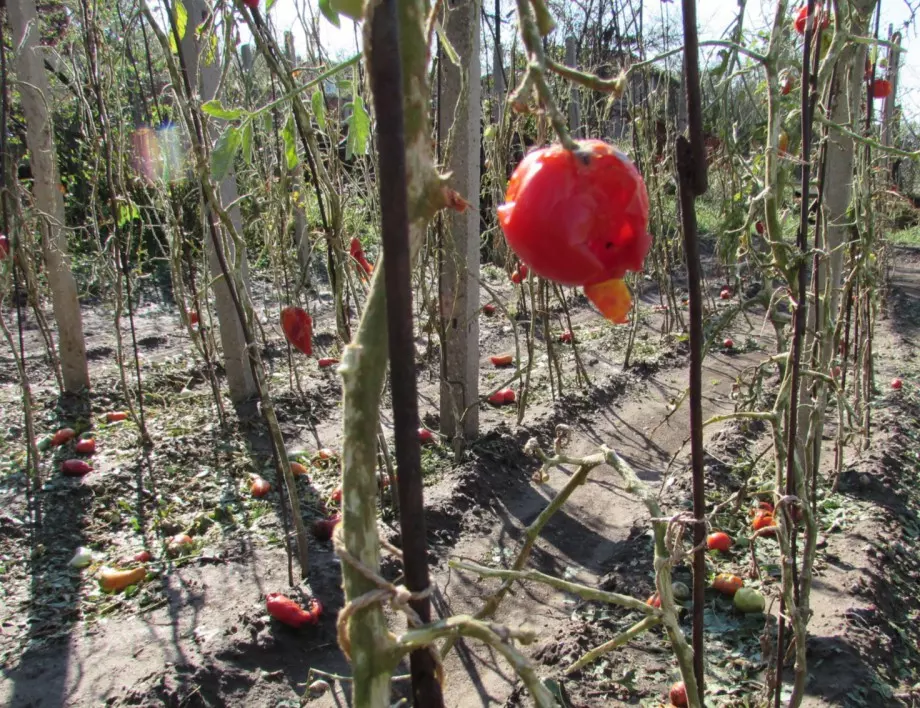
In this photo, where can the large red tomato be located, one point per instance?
(298, 328)
(579, 218)
(881, 89)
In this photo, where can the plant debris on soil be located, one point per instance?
(195, 631)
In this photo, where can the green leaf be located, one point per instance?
(247, 142)
(325, 6)
(269, 4)
(290, 144)
(215, 109)
(181, 23)
(448, 47)
(319, 108)
(224, 152)
(359, 129)
(127, 212)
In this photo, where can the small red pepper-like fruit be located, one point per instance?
(502, 359)
(288, 612)
(75, 468)
(728, 344)
(727, 584)
(497, 398)
(323, 528)
(523, 270)
(115, 416)
(357, 252)
(718, 541)
(337, 494)
(516, 278)
(327, 362)
(259, 487)
(654, 600)
(896, 384)
(425, 436)
(142, 557)
(488, 309)
(297, 326)
(192, 317)
(4, 247)
(678, 695)
(566, 337)
(64, 435)
(761, 229)
(509, 395)
(86, 447)
(881, 89)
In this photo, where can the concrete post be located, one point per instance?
(460, 115)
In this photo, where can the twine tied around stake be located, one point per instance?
(399, 597)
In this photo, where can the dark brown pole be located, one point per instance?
(386, 86)
(692, 182)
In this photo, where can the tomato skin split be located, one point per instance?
(577, 218)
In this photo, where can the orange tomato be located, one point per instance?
(502, 359)
(727, 584)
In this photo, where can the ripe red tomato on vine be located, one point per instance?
(881, 89)
(801, 20)
(298, 329)
(580, 218)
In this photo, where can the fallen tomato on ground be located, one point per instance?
(718, 541)
(488, 309)
(323, 528)
(727, 584)
(567, 337)
(286, 611)
(728, 344)
(678, 694)
(502, 359)
(425, 436)
(142, 557)
(260, 487)
(580, 218)
(298, 469)
(62, 436)
(112, 580)
(115, 416)
(179, 543)
(86, 447)
(297, 326)
(896, 384)
(75, 468)
(326, 362)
